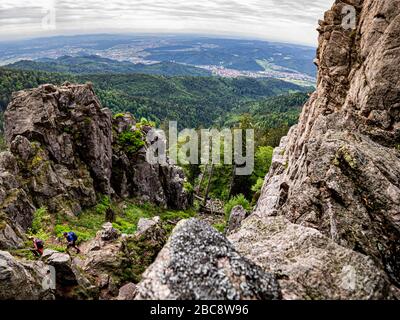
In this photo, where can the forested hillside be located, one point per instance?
(192, 101)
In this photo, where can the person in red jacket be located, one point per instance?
(38, 246)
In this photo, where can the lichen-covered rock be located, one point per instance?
(108, 233)
(309, 265)
(238, 214)
(16, 208)
(23, 280)
(127, 292)
(110, 263)
(338, 170)
(67, 121)
(200, 263)
(62, 140)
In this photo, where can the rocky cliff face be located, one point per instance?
(65, 149)
(337, 174)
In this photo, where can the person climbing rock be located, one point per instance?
(71, 238)
(38, 247)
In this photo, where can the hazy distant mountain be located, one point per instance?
(237, 54)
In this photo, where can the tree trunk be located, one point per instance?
(232, 182)
(208, 185)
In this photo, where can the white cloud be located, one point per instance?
(285, 20)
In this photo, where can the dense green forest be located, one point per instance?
(192, 101)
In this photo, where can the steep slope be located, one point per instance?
(338, 171)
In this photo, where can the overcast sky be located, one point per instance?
(285, 20)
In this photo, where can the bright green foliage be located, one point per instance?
(258, 185)
(131, 141)
(41, 220)
(118, 115)
(145, 123)
(220, 227)
(128, 220)
(85, 226)
(239, 200)
(262, 163)
(103, 205)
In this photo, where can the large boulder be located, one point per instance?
(309, 265)
(71, 281)
(62, 263)
(111, 262)
(200, 263)
(21, 280)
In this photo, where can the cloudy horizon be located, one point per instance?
(278, 20)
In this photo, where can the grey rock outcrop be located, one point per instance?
(337, 172)
(199, 263)
(238, 214)
(69, 124)
(61, 145)
(108, 233)
(16, 209)
(309, 265)
(63, 265)
(127, 292)
(62, 141)
(133, 176)
(111, 263)
(21, 280)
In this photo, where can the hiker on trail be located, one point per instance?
(38, 246)
(71, 238)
